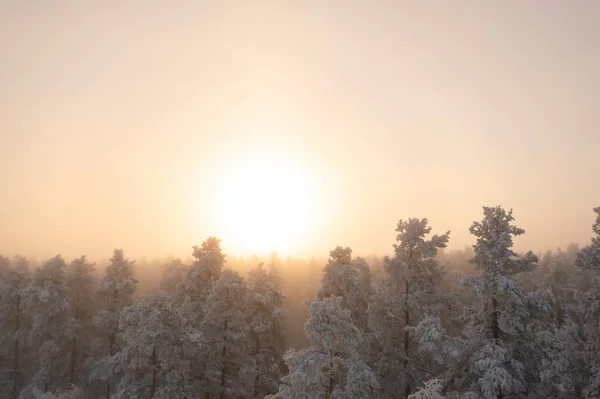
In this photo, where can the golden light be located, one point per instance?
(264, 202)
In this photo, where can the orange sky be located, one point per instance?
(119, 120)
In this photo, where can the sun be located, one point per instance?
(264, 202)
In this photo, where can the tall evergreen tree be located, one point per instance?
(116, 293)
(267, 336)
(46, 302)
(14, 325)
(333, 366)
(558, 331)
(589, 259)
(157, 343)
(349, 279)
(200, 278)
(499, 351)
(81, 285)
(173, 275)
(408, 296)
(229, 366)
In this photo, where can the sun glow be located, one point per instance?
(264, 202)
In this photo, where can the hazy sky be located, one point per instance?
(118, 119)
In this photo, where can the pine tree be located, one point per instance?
(499, 351)
(81, 285)
(229, 366)
(588, 259)
(200, 278)
(173, 275)
(333, 366)
(558, 332)
(409, 295)
(116, 293)
(46, 303)
(349, 279)
(157, 342)
(267, 335)
(14, 324)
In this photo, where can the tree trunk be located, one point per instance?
(406, 334)
(406, 323)
(329, 388)
(153, 389)
(111, 345)
(49, 377)
(224, 351)
(257, 378)
(15, 390)
(74, 346)
(73, 358)
(495, 327)
(113, 336)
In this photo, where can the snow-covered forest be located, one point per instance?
(421, 323)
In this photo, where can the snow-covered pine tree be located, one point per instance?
(228, 365)
(200, 278)
(14, 326)
(349, 279)
(589, 259)
(560, 363)
(267, 335)
(558, 332)
(157, 343)
(116, 293)
(46, 302)
(499, 352)
(173, 275)
(408, 296)
(81, 285)
(332, 367)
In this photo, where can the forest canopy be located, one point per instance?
(422, 323)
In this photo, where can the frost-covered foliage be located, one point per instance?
(512, 331)
(116, 293)
(500, 350)
(46, 304)
(560, 369)
(157, 348)
(81, 286)
(173, 275)
(430, 390)
(14, 325)
(589, 259)
(332, 367)
(407, 297)
(349, 279)
(200, 278)
(229, 368)
(267, 336)
(71, 393)
(557, 331)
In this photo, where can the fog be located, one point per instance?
(118, 123)
(300, 278)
